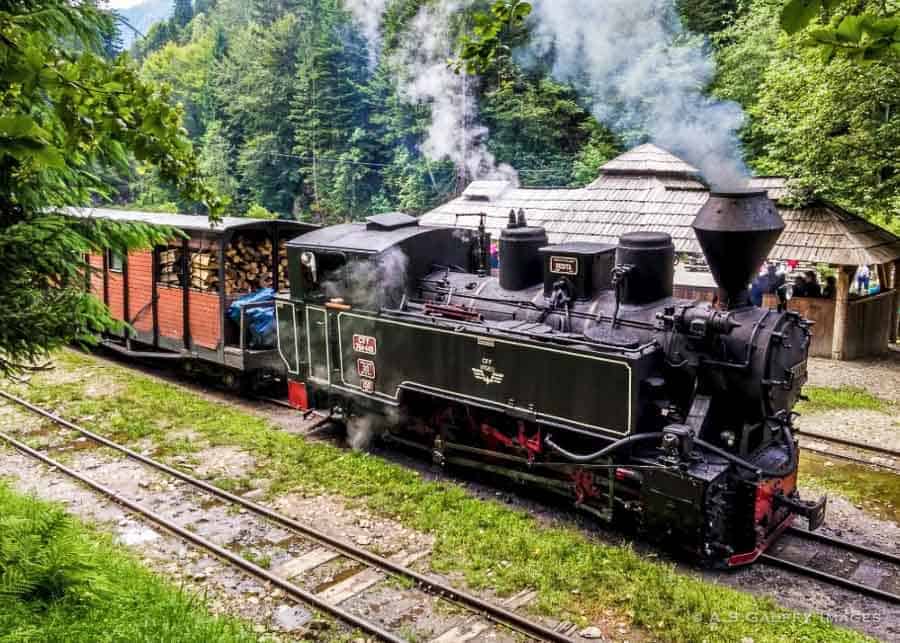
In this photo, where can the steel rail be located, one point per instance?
(846, 583)
(849, 443)
(495, 612)
(293, 590)
(844, 544)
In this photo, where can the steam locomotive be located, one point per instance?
(575, 369)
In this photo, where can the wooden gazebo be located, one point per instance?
(821, 232)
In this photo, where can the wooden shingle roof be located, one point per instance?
(825, 233)
(649, 159)
(650, 189)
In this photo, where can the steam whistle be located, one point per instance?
(482, 245)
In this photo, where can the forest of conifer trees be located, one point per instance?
(293, 112)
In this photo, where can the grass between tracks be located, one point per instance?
(875, 491)
(490, 544)
(63, 581)
(845, 398)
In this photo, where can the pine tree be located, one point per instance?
(255, 87)
(182, 13)
(112, 37)
(330, 116)
(204, 6)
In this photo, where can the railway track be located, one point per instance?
(863, 446)
(879, 452)
(860, 569)
(481, 616)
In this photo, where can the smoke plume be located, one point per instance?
(368, 15)
(426, 78)
(645, 75)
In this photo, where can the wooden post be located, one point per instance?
(895, 284)
(841, 305)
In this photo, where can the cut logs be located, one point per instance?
(170, 267)
(284, 282)
(248, 265)
(205, 270)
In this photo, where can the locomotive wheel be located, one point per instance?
(233, 381)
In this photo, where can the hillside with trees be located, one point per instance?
(291, 111)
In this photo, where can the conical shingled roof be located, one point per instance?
(649, 160)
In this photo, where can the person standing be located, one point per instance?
(830, 291)
(799, 288)
(813, 288)
(862, 279)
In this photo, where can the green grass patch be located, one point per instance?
(851, 398)
(873, 490)
(490, 544)
(63, 581)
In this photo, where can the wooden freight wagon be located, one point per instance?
(175, 298)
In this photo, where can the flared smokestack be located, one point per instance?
(737, 231)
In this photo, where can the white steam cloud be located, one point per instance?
(646, 76)
(368, 15)
(426, 79)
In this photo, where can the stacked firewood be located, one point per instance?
(248, 266)
(205, 270)
(170, 267)
(284, 282)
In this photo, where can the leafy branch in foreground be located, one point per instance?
(66, 115)
(863, 30)
(494, 35)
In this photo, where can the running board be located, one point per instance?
(142, 354)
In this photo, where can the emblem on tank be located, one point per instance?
(487, 373)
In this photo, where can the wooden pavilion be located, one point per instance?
(648, 188)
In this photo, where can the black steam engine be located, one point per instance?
(575, 370)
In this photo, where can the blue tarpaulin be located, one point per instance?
(259, 318)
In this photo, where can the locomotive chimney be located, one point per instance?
(736, 231)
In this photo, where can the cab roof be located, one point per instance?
(359, 237)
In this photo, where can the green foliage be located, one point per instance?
(256, 211)
(41, 557)
(862, 30)
(539, 127)
(60, 581)
(329, 114)
(832, 127)
(708, 16)
(182, 13)
(494, 35)
(598, 150)
(844, 398)
(64, 112)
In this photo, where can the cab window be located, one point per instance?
(323, 274)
